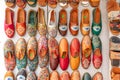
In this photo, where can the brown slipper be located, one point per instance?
(74, 3)
(94, 3)
(10, 3)
(73, 24)
(42, 2)
(52, 3)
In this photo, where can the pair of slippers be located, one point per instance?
(17, 56)
(87, 47)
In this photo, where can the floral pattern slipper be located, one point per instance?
(43, 51)
(9, 55)
(9, 76)
(42, 28)
(75, 54)
(54, 76)
(86, 52)
(73, 24)
(32, 3)
(21, 57)
(21, 3)
(97, 22)
(42, 3)
(75, 75)
(52, 26)
(65, 76)
(32, 53)
(21, 22)
(98, 76)
(32, 23)
(44, 74)
(9, 24)
(63, 50)
(21, 75)
(31, 76)
(97, 51)
(53, 53)
(10, 3)
(63, 22)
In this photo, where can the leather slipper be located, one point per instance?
(98, 76)
(75, 75)
(74, 3)
(9, 24)
(65, 76)
(52, 3)
(42, 2)
(54, 76)
(21, 3)
(73, 24)
(63, 22)
(94, 3)
(21, 22)
(75, 54)
(53, 53)
(10, 3)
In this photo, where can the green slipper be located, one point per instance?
(32, 23)
(97, 22)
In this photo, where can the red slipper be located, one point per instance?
(8, 24)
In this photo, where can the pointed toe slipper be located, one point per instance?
(21, 22)
(32, 3)
(75, 75)
(94, 3)
(63, 22)
(97, 51)
(73, 24)
(52, 25)
(10, 3)
(21, 57)
(75, 54)
(43, 51)
(63, 3)
(21, 75)
(86, 52)
(42, 28)
(85, 22)
(31, 76)
(9, 76)
(74, 3)
(52, 3)
(21, 3)
(53, 52)
(9, 24)
(54, 76)
(86, 76)
(98, 76)
(32, 23)
(63, 50)
(97, 22)
(32, 53)
(9, 55)
(65, 76)
(42, 3)
(44, 74)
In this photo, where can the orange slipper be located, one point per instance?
(52, 3)
(42, 2)
(21, 22)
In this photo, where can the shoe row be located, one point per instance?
(45, 75)
(52, 4)
(34, 53)
(36, 21)
(114, 41)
